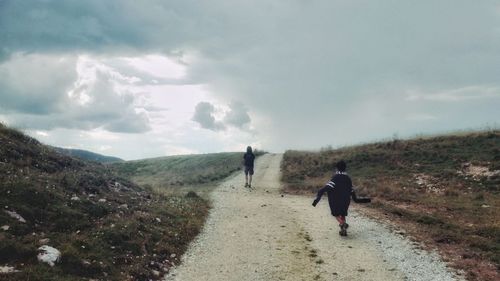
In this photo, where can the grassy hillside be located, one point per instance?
(106, 227)
(178, 171)
(449, 186)
(87, 155)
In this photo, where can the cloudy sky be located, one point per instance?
(139, 79)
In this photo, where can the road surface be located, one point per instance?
(259, 234)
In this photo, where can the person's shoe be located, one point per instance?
(343, 229)
(246, 184)
(249, 186)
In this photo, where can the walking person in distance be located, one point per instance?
(248, 160)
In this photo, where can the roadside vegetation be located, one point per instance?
(87, 155)
(105, 226)
(448, 187)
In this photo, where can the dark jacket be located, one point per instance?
(248, 159)
(339, 190)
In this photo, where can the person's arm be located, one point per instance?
(353, 194)
(329, 185)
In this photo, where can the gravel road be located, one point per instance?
(259, 234)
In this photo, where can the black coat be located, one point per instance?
(248, 159)
(339, 190)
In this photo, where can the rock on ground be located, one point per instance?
(48, 255)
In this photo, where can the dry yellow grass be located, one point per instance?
(449, 185)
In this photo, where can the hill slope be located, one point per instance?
(448, 186)
(184, 170)
(105, 227)
(87, 155)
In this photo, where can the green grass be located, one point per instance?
(132, 233)
(181, 174)
(454, 206)
(181, 170)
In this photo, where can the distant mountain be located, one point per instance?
(88, 155)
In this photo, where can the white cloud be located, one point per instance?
(420, 117)
(456, 95)
(41, 133)
(81, 92)
(36, 83)
(157, 65)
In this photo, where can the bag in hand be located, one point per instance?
(360, 199)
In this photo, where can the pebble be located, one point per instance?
(8, 269)
(16, 216)
(44, 241)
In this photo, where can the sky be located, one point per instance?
(140, 79)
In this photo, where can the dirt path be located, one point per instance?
(262, 235)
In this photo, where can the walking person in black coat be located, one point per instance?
(248, 160)
(339, 190)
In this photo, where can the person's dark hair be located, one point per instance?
(341, 166)
(249, 149)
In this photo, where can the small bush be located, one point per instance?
(75, 263)
(66, 219)
(451, 193)
(192, 194)
(94, 210)
(14, 251)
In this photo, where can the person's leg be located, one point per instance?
(246, 176)
(250, 172)
(342, 224)
(340, 219)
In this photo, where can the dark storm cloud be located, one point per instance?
(237, 115)
(204, 115)
(60, 26)
(342, 73)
